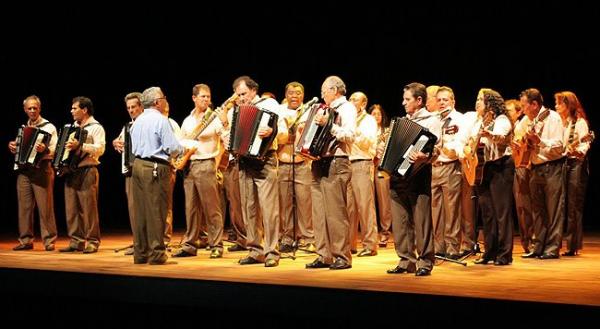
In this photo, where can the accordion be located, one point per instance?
(244, 140)
(27, 139)
(66, 160)
(127, 155)
(405, 136)
(317, 141)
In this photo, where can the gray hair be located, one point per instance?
(33, 98)
(150, 95)
(337, 83)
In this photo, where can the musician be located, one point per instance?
(133, 103)
(294, 177)
(446, 180)
(411, 198)
(382, 181)
(495, 198)
(35, 184)
(81, 185)
(577, 171)
(521, 182)
(432, 104)
(362, 153)
(258, 182)
(200, 178)
(546, 184)
(153, 142)
(331, 180)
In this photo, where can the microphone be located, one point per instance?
(311, 102)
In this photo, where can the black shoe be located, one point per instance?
(317, 263)
(236, 247)
(367, 252)
(181, 253)
(49, 247)
(19, 247)
(423, 272)
(569, 253)
(339, 264)
(548, 256)
(529, 255)
(69, 249)
(216, 253)
(90, 249)
(160, 261)
(248, 261)
(271, 262)
(482, 261)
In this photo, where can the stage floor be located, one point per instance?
(568, 280)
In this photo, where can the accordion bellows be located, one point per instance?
(404, 137)
(27, 138)
(244, 139)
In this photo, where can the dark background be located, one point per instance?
(104, 53)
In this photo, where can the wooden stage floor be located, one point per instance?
(573, 281)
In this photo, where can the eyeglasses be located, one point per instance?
(164, 97)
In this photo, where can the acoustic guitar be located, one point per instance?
(521, 147)
(473, 162)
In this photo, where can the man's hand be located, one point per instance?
(12, 146)
(72, 145)
(417, 157)
(119, 145)
(321, 119)
(265, 132)
(40, 147)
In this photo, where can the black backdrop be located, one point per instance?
(105, 52)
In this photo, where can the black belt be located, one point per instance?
(340, 156)
(357, 160)
(157, 160)
(548, 163)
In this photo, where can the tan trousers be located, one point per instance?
(231, 185)
(202, 201)
(35, 187)
(295, 180)
(363, 189)
(469, 205)
(81, 207)
(130, 204)
(522, 197)
(331, 180)
(169, 222)
(384, 211)
(259, 193)
(150, 195)
(446, 182)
